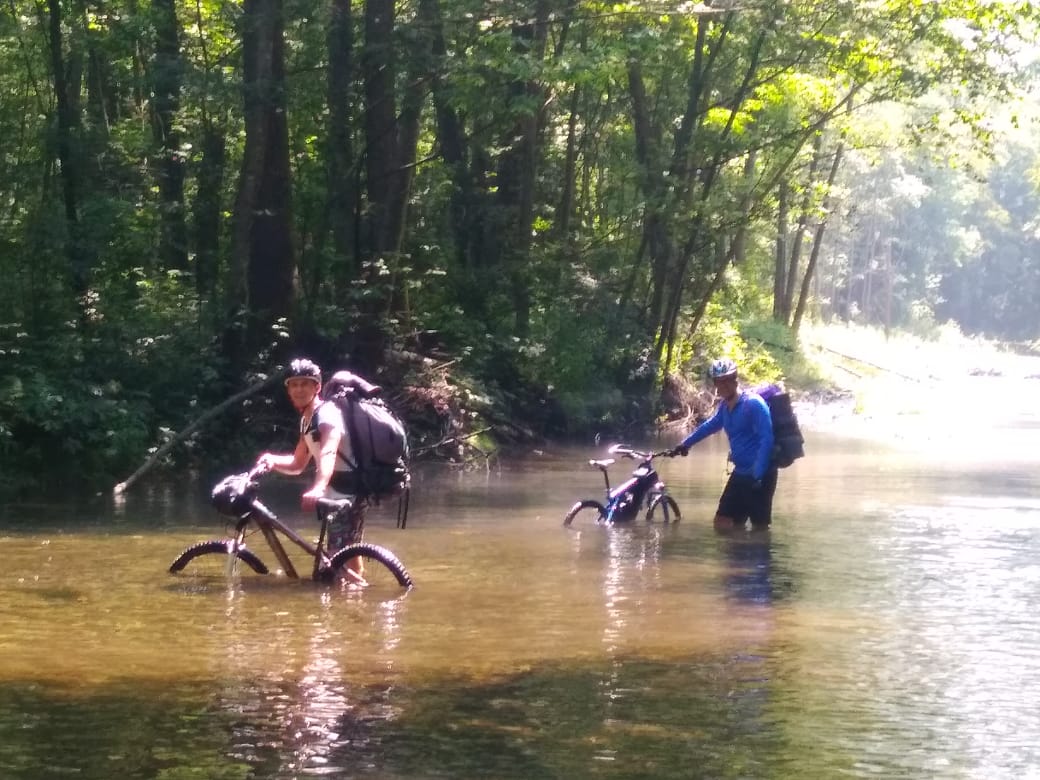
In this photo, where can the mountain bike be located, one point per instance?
(644, 489)
(236, 496)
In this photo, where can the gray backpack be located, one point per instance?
(378, 440)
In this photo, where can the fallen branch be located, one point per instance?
(866, 363)
(198, 423)
(450, 440)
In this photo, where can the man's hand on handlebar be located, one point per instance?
(264, 463)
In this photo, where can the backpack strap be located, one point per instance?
(345, 397)
(311, 427)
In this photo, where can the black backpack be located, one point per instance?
(378, 440)
(788, 442)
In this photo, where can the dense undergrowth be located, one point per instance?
(86, 415)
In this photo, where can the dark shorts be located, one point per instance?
(347, 527)
(741, 502)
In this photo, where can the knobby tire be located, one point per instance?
(589, 510)
(218, 547)
(668, 507)
(373, 552)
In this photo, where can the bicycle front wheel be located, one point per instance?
(216, 555)
(587, 512)
(377, 564)
(665, 507)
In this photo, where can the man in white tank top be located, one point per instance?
(323, 439)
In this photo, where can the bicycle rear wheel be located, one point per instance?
(587, 512)
(380, 567)
(669, 510)
(216, 557)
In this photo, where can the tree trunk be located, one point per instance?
(799, 233)
(517, 170)
(810, 269)
(451, 140)
(780, 255)
(264, 260)
(740, 235)
(209, 181)
(168, 163)
(565, 206)
(78, 257)
(342, 202)
(381, 139)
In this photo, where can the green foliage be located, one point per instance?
(551, 294)
(59, 420)
(779, 355)
(85, 402)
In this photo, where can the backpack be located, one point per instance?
(378, 440)
(788, 443)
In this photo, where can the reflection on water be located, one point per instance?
(884, 627)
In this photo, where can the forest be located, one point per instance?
(527, 219)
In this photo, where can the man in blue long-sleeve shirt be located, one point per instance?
(744, 417)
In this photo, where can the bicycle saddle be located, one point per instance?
(601, 464)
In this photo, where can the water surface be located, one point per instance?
(886, 627)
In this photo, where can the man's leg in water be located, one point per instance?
(348, 527)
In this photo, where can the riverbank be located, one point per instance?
(906, 388)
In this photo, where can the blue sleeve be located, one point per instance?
(712, 425)
(763, 425)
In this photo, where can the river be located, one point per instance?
(886, 627)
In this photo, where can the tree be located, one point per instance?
(263, 259)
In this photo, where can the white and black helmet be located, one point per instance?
(305, 369)
(722, 368)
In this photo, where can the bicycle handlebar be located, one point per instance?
(257, 471)
(323, 504)
(627, 452)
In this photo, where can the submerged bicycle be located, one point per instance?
(644, 489)
(236, 496)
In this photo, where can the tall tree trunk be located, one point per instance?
(386, 178)
(451, 140)
(810, 269)
(780, 254)
(207, 209)
(342, 202)
(209, 180)
(700, 233)
(659, 247)
(795, 255)
(76, 252)
(381, 139)
(517, 170)
(168, 164)
(565, 206)
(264, 260)
(740, 235)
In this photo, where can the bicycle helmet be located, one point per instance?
(303, 368)
(722, 368)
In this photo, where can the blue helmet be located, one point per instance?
(721, 368)
(305, 369)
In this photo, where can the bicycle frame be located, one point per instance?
(644, 489)
(628, 497)
(268, 524)
(236, 496)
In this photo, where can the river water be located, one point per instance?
(887, 627)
